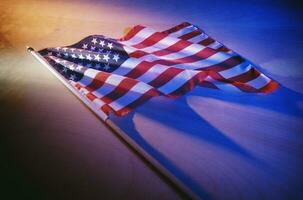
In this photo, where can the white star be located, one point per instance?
(106, 67)
(74, 56)
(94, 40)
(72, 50)
(66, 55)
(79, 67)
(64, 48)
(84, 46)
(72, 77)
(88, 57)
(49, 53)
(64, 70)
(110, 45)
(106, 57)
(81, 56)
(58, 54)
(116, 57)
(57, 60)
(89, 65)
(58, 48)
(97, 57)
(92, 47)
(102, 43)
(72, 67)
(98, 66)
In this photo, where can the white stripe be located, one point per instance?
(162, 44)
(152, 73)
(188, 51)
(236, 70)
(131, 63)
(202, 36)
(139, 37)
(198, 38)
(88, 77)
(222, 85)
(177, 81)
(215, 45)
(127, 66)
(183, 31)
(133, 94)
(259, 82)
(129, 49)
(83, 91)
(166, 42)
(98, 103)
(212, 60)
(110, 84)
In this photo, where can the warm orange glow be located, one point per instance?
(51, 23)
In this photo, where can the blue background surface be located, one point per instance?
(228, 145)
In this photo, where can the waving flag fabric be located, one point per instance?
(117, 75)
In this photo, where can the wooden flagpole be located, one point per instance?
(182, 188)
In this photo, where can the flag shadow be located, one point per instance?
(182, 121)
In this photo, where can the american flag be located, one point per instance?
(117, 75)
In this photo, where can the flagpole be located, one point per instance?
(178, 184)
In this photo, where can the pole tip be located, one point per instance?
(30, 49)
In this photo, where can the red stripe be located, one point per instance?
(206, 41)
(132, 33)
(145, 97)
(165, 77)
(189, 85)
(190, 35)
(140, 69)
(78, 86)
(226, 64)
(123, 87)
(178, 46)
(98, 81)
(137, 54)
(107, 109)
(173, 48)
(144, 66)
(203, 54)
(91, 96)
(177, 28)
(223, 49)
(242, 86)
(151, 40)
(271, 86)
(247, 76)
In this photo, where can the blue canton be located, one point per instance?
(95, 51)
